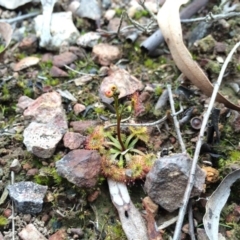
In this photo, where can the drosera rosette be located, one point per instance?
(136, 168)
(121, 159)
(95, 140)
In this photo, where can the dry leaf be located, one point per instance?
(6, 33)
(25, 63)
(169, 23)
(213, 210)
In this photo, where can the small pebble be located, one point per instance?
(7, 212)
(27, 218)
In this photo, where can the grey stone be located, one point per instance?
(27, 196)
(167, 180)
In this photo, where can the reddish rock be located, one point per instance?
(220, 47)
(113, 25)
(57, 72)
(47, 57)
(123, 80)
(78, 108)
(29, 44)
(106, 54)
(24, 102)
(80, 52)
(64, 59)
(27, 166)
(82, 126)
(48, 109)
(48, 126)
(80, 167)
(45, 218)
(32, 172)
(30, 232)
(59, 235)
(73, 140)
(7, 212)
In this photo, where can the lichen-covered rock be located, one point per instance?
(27, 196)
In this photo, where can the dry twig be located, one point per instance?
(176, 123)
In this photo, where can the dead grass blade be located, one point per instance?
(169, 23)
(6, 33)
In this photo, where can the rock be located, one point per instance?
(106, 54)
(23, 103)
(80, 167)
(220, 47)
(41, 139)
(30, 233)
(49, 124)
(83, 126)
(167, 180)
(32, 172)
(78, 108)
(125, 82)
(77, 231)
(57, 72)
(109, 14)
(88, 9)
(151, 206)
(13, 4)
(62, 29)
(28, 44)
(47, 57)
(45, 108)
(73, 140)
(64, 59)
(59, 235)
(80, 52)
(15, 166)
(114, 24)
(27, 197)
(89, 39)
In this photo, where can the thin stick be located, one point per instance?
(191, 221)
(189, 187)
(20, 18)
(80, 73)
(139, 124)
(13, 214)
(176, 123)
(142, 3)
(210, 17)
